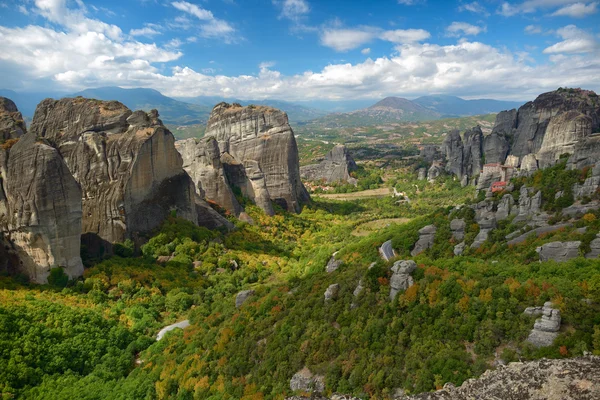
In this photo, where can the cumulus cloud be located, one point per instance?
(366, 51)
(474, 7)
(577, 10)
(574, 40)
(533, 29)
(530, 6)
(210, 27)
(145, 31)
(344, 39)
(463, 28)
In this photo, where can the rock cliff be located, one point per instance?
(258, 155)
(12, 125)
(91, 168)
(336, 167)
(464, 155)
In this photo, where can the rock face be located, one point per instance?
(553, 124)
(464, 155)
(12, 125)
(242, 296)
(44, 211)
(91, 168)
(426, 239)
(332, 292)
(528, 205)
(546, 328)
(595, 248)
(306, 381)
(258, 150)
(401, 278)
(457, 226)
(336, 167)
(559, 251)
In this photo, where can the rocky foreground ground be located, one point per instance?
(566, 379)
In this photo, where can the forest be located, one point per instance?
(94, 338)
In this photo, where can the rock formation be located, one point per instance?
(426, 239)
(401, 278)
(336, 167)
(90, 168)
(457, 226)
(559, 251)
(305, 381)
(333, 264)
(259, 155)
(332, 292)
(594, 248)
(242, 296)
(546, 328)
(496, 145)
(12, 125)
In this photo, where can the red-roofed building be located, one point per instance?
(498, 186)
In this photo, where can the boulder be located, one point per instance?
(559, 251)
(485, 227)
(261, 154)
(242, 296)
(332, 292)
(401, 278)
(546, 328)
(457, 226)
(336, 167)
(459, 249)
(305, 381)
(333, 264)
(422, 174)
(434, 172)
(426, 239)
(595, 248)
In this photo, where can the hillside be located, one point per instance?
(452, 105)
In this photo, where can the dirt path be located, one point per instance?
(381, 192)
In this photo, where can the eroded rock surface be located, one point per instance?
(426, 239)
(12, 125)
(401, 278)
(336, 167)
(242, 296)
(546, 328)
(559, 251)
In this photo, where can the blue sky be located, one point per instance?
(302, 49)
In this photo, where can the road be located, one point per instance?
(181, 325)
(386, 251)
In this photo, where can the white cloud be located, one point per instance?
(463, 28)
(533, 29)
(530, 6)
(344, 39)
(23, 10)
(292, 9)
(212, 27)
(408, 2)
(145, 31)
(266, 64)
(474, 7)
(577, 10)
(575, 40)
(366, 51)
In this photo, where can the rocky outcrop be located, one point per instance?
(529, 164)
(528, 205)
(332, 292)
(422, 174)
(559, 379)
(590, 186)
(305, 381)
(546, 328)
(434, 172)
(496, 145)
(242, 296)
(506, 207)
(333, 264)
(464, 155)
(426, 239)
(43, 210)
(12, 125)
(336, 167)
(259, 153)
(401, 278)
(594, 248)
(559, 251)
(453, 149)
(485, 227)
(457, 227)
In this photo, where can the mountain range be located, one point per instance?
(195, 110)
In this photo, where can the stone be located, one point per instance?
(386, 251)
(485, 227)
(422, 174)
(457, 226)
(545, 328)
(528, 205)
(261, 154)
(426, 239)
(336, 167)
(242, 296)
(333, 264)
(434, 172)
(595, 248)
(559, 251)
(332, 292)
(459, 249)
(505, 207)
(202, 161)
(12, 125)
(43, 210)
(401, 278)
(305, 381)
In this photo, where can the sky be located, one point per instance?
(302, 49)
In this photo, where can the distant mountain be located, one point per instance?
(386, 111)
(171, 111)
(296, 113)
(455, 106)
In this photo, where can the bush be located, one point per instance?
(58, 278)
